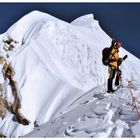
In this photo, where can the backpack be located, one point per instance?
(105, 56)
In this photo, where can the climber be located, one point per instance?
(113, 66)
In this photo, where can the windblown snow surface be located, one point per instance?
(62, 82)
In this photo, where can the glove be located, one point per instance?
(125, 57)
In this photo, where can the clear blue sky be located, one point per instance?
(119, 20)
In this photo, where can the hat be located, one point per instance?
(119, 44)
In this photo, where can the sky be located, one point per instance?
(119, 20)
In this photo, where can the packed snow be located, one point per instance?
(61, 80)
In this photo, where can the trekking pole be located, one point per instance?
(120, 77)
(133, 99)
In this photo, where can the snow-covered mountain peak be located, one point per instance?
(52, 63)
(35, 19)
(87, 21)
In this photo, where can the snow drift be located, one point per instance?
(55, 63)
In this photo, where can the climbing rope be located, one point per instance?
(133, 99)
(134, 104)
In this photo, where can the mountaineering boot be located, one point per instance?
(109, 91)
(110, 86)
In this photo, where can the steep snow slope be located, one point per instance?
(55, 63)
(43, 89)
(96, 114)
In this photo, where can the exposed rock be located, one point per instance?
(2, 108)
(8, 72)
(35, 124)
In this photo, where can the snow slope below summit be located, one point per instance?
(37, 83)
(43, 96)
